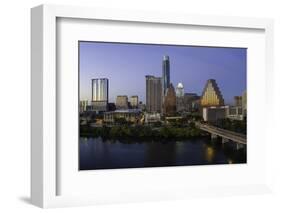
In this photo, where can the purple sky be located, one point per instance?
(125, 65)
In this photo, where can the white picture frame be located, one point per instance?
(44, 154)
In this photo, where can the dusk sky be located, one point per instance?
(125, 65)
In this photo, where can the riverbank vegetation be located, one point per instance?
(141, 132)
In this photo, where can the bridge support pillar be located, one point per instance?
(239, 146)
(214, 137)
(224, 140)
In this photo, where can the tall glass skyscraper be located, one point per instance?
(100, 89)
(165, 74)
(99, 94)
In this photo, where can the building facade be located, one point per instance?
(83, 105)
(165, 74)
(152, 118)
(134, 100)
(180, 90)
(238, 101)
(212, 114)
(122, 102)
(211, 95)
(181, 104)
(190, 102)
(100, 89)
(129, 115)
(169, 107)
(153, 93)
(99, 94)
(195, 105)
(234, 113)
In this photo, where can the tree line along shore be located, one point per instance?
(141, 132)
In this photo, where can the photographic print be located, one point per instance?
(156, 105)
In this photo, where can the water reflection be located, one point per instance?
(98, 154)
(155, 156)
(209, 154)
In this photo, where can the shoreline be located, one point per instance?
(142, 133)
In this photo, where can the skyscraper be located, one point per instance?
(100, 89)
(165, 74)
(179, 90)
(99, 94)
(153, 93)
(211, 95)
(170, 101)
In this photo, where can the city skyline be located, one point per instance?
(126, 65)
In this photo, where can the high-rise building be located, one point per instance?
(169, 108)
(211, 95)
(165, 75)
(134, 100)
(122, 102)
(100, 89)
(153, 93)
(237, 100)
(99, 94)
(179, 90)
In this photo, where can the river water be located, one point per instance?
(94, 153)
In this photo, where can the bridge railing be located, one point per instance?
(237, 137)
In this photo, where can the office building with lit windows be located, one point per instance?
(211, 95)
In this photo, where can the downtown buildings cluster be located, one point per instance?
(164, 102)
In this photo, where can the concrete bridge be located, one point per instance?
(226, 135)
